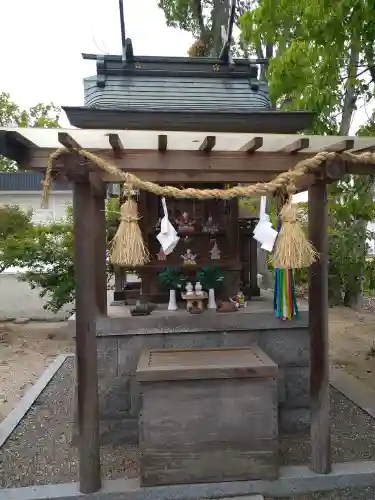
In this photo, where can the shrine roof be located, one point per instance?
(180, 93)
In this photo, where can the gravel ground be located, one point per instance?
(347, 494)
(39, 452)
(369, 304)
(353, 435)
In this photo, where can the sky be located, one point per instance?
(41, 42)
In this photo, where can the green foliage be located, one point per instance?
(46, 252)
(351, 207)
(11, 115)
(172, 279)
(368, 129)
(369, 275)
(201, 18)
(184, 14)
(47, 256)
(14, 225)
(323, 60)
(210, 277)
(303, 74)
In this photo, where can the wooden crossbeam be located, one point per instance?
(189, 161)
(368, 149)
(334, 171)
(208, 144)
(67, 141)
(116, 144)
(298, 145)
(19, 139)
(252, 145)
(338, 147)
(162, 142)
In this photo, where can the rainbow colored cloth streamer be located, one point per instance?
(285, 300)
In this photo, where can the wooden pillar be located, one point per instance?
(100, 246)
(254, 288)
(119, 279)
(318, 329)
(86, 354)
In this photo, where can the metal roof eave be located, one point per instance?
(263, 121)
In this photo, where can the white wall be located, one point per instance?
(30, 200)
(18, 300)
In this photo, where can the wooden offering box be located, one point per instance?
(208, 415)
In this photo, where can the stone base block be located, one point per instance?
(294, 420)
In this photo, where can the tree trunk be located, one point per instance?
(264, 67)
(350, 91)
(352, 298)
(220, 16)
(370, 58)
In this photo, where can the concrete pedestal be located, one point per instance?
(121, 338)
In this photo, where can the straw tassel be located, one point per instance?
(47, 184)
(127, 249)
(292, 249)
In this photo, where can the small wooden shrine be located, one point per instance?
(138, 152)
(209, 234)
(190, 122)
(187, 94)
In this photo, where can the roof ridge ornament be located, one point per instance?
(126, 43)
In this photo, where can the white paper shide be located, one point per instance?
(167, 237)
(264, 232)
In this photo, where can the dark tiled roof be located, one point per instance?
(197, 84)
(180, 93)
(27, 181)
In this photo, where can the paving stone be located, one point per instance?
(21, 321)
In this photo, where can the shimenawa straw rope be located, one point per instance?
(292, 248)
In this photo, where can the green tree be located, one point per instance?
(12, 115)
(304, 75)
(45, 252)
(202, 18)
(321, 58)
(14, 225)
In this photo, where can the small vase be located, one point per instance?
(211, 299)
(198, 288)
(172, 305)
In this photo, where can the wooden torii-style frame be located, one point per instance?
(206, 159)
